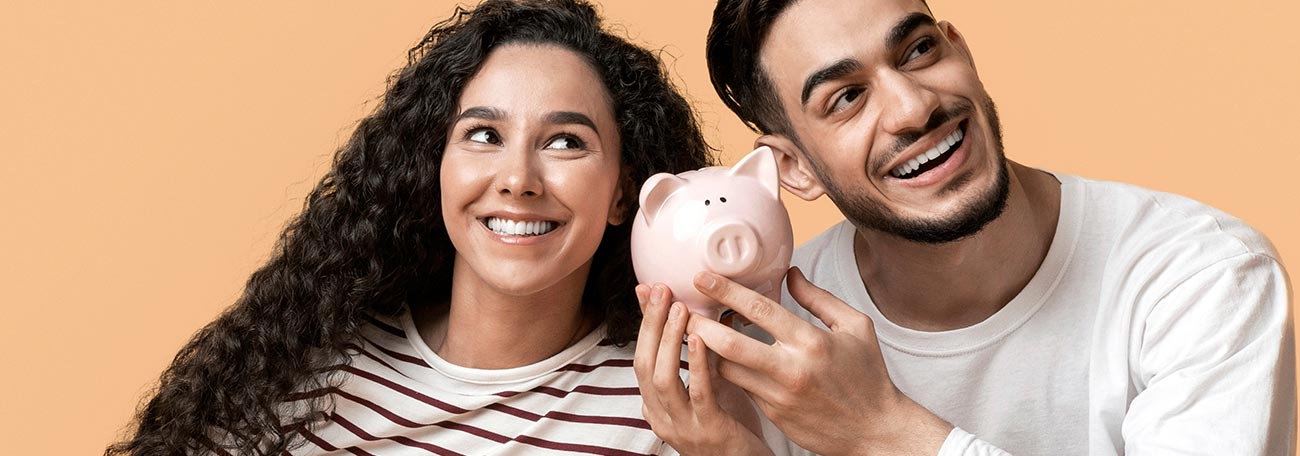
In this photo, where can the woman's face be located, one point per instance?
(530, 176)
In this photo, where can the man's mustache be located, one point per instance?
(937, 119)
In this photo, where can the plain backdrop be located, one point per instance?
(151, 151)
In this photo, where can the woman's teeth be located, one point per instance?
(514, 228)
(947, 144)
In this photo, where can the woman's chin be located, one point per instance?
(527, 279)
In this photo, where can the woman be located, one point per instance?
(459, 282)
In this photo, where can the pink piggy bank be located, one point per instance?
(726, 220)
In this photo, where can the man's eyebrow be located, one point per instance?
(571, 118)
(905, 27)
(829, 73)
(482, 112)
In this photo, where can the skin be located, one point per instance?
(711, 416)
(829, 391)
(532, 141)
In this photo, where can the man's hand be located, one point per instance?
(828, 391)
(704, 419)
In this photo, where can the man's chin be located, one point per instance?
(968, 223)
(971, 217)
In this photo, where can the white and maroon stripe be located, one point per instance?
(387, 425)
(385, 405)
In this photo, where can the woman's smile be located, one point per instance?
(521, 230)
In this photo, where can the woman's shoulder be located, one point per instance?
(588, 397)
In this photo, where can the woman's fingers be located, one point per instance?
(692, 420)
(642, 295)
(647, 340)
(654, 313)
(701, 389)
(667, 376)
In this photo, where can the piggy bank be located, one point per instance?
(726, 220)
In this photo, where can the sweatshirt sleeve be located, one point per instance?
(1214, 372)
(962, 443)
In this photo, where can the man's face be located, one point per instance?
(890, 115)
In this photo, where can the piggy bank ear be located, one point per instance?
(656, 190)
(761, 165)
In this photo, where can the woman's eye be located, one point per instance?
(484, 136)
(846, 99)
(565, 143)
(922, 48)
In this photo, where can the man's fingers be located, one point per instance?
(734, 346)
(758, 309)
(764, 406)
(837, 315)
(756, 383)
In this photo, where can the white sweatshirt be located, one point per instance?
(1155, 325)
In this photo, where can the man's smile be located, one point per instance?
(931, 161)
(932, 158)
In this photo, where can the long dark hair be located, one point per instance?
(371, 239)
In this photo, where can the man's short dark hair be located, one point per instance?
(737, 33)
(735, 38)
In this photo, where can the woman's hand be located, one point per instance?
(709, 417)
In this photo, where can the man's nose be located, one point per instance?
(519, 174)
(908, 104)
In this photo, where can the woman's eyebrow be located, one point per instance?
(482, 112)
(571, 118)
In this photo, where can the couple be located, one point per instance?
(460, 282)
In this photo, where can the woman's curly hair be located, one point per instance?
(371, 238)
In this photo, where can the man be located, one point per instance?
(972, 305)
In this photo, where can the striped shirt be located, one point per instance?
(398, 397)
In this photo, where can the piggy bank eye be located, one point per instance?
(723, 199)
(706, 202)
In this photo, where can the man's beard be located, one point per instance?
(974, 214)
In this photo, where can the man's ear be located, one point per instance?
(797, 176)
(958, 41)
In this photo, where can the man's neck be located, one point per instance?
(937, 287)
(486, 329)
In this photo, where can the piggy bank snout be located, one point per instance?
(731, 248)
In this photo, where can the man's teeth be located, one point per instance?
(516, 228)
(943, 147)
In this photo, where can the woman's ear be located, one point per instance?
(797, 176)
(624, 194)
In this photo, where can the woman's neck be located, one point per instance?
(491, 329)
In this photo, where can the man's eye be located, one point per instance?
(846, 99)
(485, 136)
(922, 48)
(565, 143)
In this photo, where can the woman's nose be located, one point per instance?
(519, 174)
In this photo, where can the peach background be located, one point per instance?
(150, 151)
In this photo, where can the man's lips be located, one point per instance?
(936, 153)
